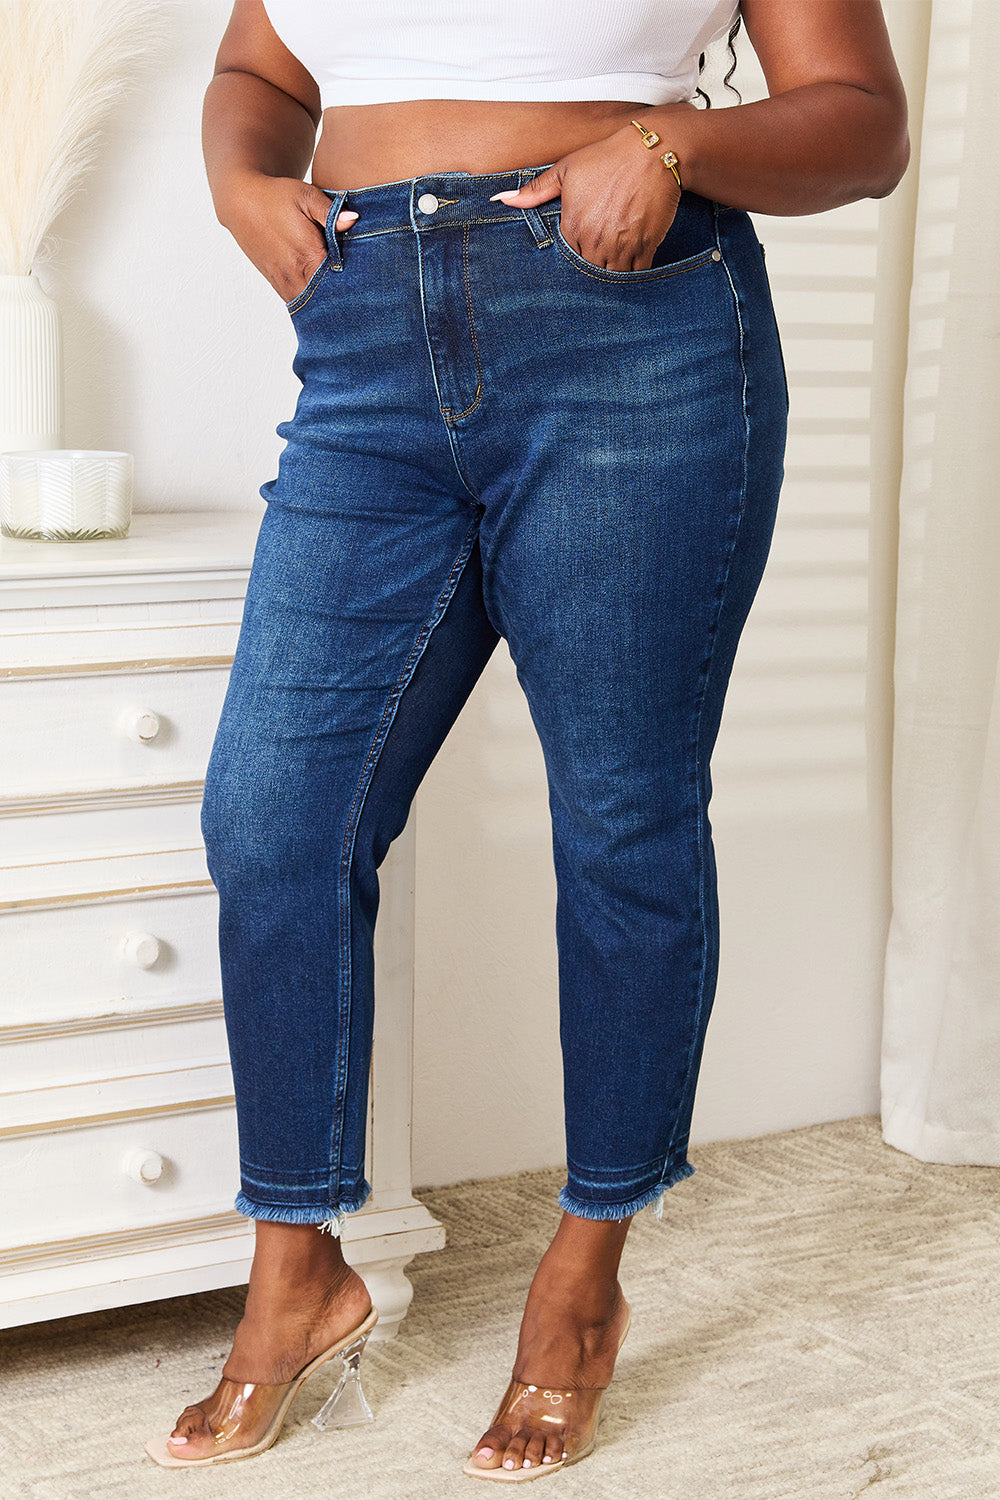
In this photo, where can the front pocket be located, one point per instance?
(337, 200)
(310, 286)
(654, 272)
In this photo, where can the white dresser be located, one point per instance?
(118, 1163)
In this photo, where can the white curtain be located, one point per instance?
(941, 1038)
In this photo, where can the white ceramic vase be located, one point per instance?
(31, 397)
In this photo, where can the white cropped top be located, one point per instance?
(646, 50)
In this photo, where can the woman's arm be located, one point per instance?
(833, 130)
(262, 109)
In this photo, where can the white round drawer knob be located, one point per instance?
(141, 949)
(141, 1165)
(141, 725)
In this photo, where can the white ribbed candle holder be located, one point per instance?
(31, 395)
(65, 494)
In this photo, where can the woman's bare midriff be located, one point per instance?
(364, 144)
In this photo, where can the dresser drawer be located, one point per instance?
(103, 956)
(66, 1069)
(149, 1167)
(88, 730)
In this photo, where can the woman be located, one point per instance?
(542, 398)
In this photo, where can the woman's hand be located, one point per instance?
(618, 200)
(278, 223)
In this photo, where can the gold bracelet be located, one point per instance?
(668, 158)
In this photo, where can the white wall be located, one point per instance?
(179, 351)
(176, 348)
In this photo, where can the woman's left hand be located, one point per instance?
(618, 200)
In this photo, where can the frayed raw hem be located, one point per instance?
(651, 1199)
(327, 1220)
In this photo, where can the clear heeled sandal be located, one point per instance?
(246, 1417)
(573, 1415)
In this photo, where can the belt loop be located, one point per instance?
(332, 247)
(537, 226)
(532, 217)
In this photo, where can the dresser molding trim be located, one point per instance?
(125, 1112)
(151, 1236)
(400, 1219)
(101, 898)
(101, 799)
(132, 586)
(73, 1023)
(109, 579)
(145, 665)
(119, 593)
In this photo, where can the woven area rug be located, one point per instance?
(817, 1316)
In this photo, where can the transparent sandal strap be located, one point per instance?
(346, 1406)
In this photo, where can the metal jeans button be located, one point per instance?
(427, 203)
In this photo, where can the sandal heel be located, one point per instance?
(346, 1406)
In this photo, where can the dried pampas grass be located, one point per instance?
(63, 65)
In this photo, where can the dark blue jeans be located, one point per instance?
(494, 438)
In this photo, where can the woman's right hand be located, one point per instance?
(278, 223)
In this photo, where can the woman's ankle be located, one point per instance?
(585, 1302)
(297, 1253)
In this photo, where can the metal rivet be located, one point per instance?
(427, 203)
(716, 254)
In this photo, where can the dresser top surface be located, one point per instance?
(175, 542)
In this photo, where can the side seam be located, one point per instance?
(656, 1203)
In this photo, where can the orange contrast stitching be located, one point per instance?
(456, 416)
